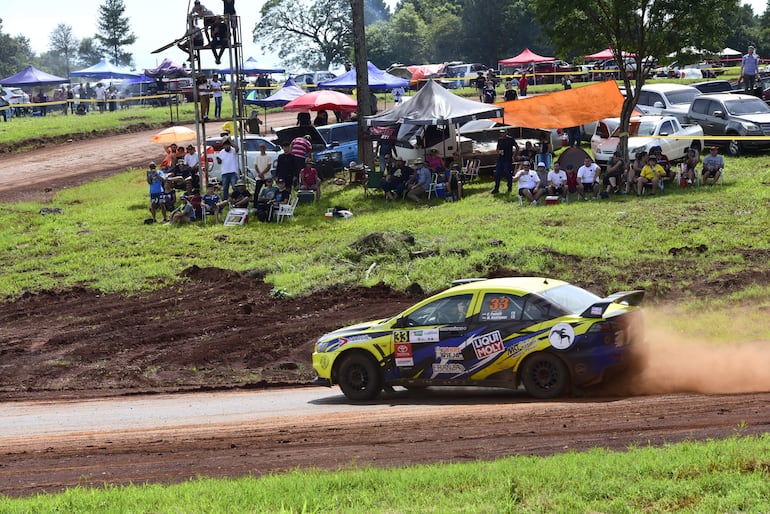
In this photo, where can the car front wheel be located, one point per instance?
(360, 378)
(545, 376)
(734, 148)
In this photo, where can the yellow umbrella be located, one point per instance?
(174, 135)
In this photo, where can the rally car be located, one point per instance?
(546, 334)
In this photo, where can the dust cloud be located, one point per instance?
(672, 363)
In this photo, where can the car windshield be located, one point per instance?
(638, 128)
(684, 96)
(570, 298)
(746, 106)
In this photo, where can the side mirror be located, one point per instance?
(664, 134)
(400, 323)
(719, 114)
(658, 105)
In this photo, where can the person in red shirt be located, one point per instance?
(571, 179)
(309, 180)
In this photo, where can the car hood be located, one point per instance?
(753, 118)
(288, 134)
(352, 330)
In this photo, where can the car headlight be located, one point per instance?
(320, 346)
(638, 149)
(751, 127)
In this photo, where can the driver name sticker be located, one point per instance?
(487, 345)
(562, 336)
(449, 353)
(404, 355)
(423, 336)
(450, 367)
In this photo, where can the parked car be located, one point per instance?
(250, 146)
(14, 95)
(468, 73)
(644, 132)
(713, 86)
(546, 334)
(672, 99)
(337, 142)
(726, 114)
(311, 79)
(548, 72)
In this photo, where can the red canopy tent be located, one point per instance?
(605, 54)
(525, 57)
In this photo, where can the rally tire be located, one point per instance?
(359, 377)
(545, 376)
(734, 148)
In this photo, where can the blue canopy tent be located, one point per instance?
(379, 80)
(104, 70)
(285, 94)
(30, 77)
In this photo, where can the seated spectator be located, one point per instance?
(185, 213)
(193, 195)
(309, 179)
(168, 197)
(435, 162)
(219, 38)
(689, 167)
(528, 153)
(419, 183)
(589, 178)
(394, 181)
(635, 170)
(650, 174)
(664, 163)
(282, 196)
(616, 169)
(542, 175)
(264, 202)
(557, 181)
(240, 197)
(571, 179)
(713, 164)
(212, 201)
(454, 184)
(529, 183)
(169, 161)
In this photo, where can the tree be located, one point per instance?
(374, 11)
(640, 27)
(307, 33)
(16, 53)
(114, 32)
(63, 43)
(89, 53)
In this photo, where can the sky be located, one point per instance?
(154, 22)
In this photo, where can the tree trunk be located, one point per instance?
(365, 151)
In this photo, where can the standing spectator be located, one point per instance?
(419, 183)
(372, 103)
(204, 97)
(215, 87)
(309, 180)
(523, 84)
(507, 151)
(263, 165)
(384, 150)
(101, 96)
(70, 98)
(588, 178)
(557, 181)
(321, 119)
(510, 92)
(713, 164)
(480, 81)
(301, 147)
(571, 179)
(42, 98)
(228, 159)
(573, 136)
(749, 69)
(229, 12)
(155, 179)
(60, 96)
(286, 166)
(529, 183)
(489, 92)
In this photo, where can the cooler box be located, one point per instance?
(552, 200)
(305, 196)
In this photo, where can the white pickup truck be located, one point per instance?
(644, 133)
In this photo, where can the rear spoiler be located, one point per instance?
(627, 297)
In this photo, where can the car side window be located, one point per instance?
(644, 98)
(667, 128)
(700, 106)
(715, 106)
(655, 97)
(501, 307)
(444, 311)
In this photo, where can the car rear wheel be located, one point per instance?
(545, 376)
(734, 148)
(360, 378)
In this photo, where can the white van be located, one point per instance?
(468, 72)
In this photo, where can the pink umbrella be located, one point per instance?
(322, 100)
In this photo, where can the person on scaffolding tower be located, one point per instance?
(229, 11)
(200, 11)
(219, 38)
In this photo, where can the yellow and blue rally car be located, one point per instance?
(545, 334)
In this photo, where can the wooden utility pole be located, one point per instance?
(365, 150)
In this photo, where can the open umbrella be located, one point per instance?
(173, 135)
(322, 100)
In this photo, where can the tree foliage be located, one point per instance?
(306, 33)
(640, 27)
(15, 55)
(63, 46)
(114, 32)
(89, 53)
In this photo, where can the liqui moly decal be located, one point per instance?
(487, 345)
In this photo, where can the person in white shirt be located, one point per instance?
(588, 178)
(557, 181)
(529, 183)
(101, 94)
(192, 165)
(216, 91)
(228, 159)
(263, 166)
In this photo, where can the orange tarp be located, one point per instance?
(568, 108)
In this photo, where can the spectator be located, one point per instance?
(749, 70)
(616, 170)
(155, 179)
(384, 150)
(480, 81)
(689, 172)
(185, 213)
(557, 181)
(454, 185)
(529, 183)
(191, 166)
(70, 100)
(395, 178)
(435, 162)
(664, 163)
(510, 91)
(566, 82)
(544, 150)
(713, 164)
(650, 174)
(59, 96)
(507, 151)
(228, 159)
(301, 147)
(240, 197)
(571, 179)
(303, 119)
(168, 197)
(286, 166)
(588, 179)
(282, 195)
(573, 136)
(42, 98)
(528, 153)
(215, 87)
(263, 166)
(220, 38)
(321, 119)
(263, 204)
(419, 182)
(542, 174)
(193, 195)
(204, 95)
(101, 96)
(489, 94)
(635, 170)
(212, 202)
(523, 84)
(309, 180)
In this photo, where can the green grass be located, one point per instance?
(716, 476)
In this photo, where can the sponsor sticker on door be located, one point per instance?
(404, 355)
(487, 345)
